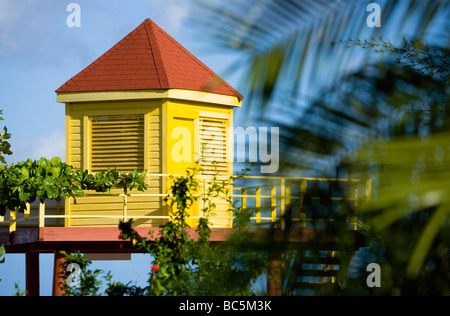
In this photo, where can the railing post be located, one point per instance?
(282, 202)
(244, 198)
(125, 207)
(27, 212)
(303, 188)
(42, 214)
(273, 203)
(258, 204)
(288, 195)
(12, 221)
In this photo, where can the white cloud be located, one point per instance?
(176, 14)
(172, 13)
(24, 23)
(49, 146)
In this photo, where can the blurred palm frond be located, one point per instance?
(375, 110)
(287, 46)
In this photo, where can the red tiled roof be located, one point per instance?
(148, 59)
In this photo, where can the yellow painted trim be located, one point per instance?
(147, 142)
(184, 113)
(111, 112)
(68, 159)
(164, 137)
(68, 129)
(204, 97)
(214, 115)
(86, 142)
(230, 143)
(197, 147)
(177, 94)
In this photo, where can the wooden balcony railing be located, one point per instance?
(268, 197)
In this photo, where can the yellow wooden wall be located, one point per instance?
(161, 118)
(77, 117)
(178, 110)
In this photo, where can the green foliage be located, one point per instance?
(410, 213)
(4, 144)
(184, 264)
(19, 292)
(45, 179)
(193, 266)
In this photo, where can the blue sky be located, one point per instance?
(38, 53)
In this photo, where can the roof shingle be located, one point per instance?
(148, 59)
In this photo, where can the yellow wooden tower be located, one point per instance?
(146, 104)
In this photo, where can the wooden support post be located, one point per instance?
(32, 273)
(275, 276)
(58, 273)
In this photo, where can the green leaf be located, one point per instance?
(2, 252)
(422, 248)
(55, 161)
(23, 196)
(78, 192)
(25, 172)
(56, 171)
(52, 192)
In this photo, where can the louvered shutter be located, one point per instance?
(117, 140)
(213, 147)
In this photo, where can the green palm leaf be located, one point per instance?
(330, 102)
